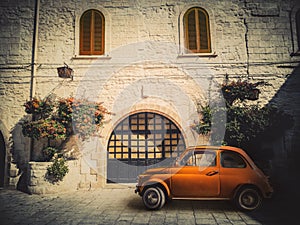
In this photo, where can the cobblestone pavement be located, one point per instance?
(122, 206)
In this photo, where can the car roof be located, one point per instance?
(213, 147)
(223, 147)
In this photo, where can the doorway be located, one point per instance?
(141, 141)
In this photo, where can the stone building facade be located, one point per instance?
(146, 69)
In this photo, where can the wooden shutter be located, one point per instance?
(192, 31)
(203, 33)
(92, 33)
(197, 33)
(85, 31)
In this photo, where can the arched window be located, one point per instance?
(197, 33)
(298, 28)
(92, 33)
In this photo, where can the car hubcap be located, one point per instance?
(249, 199)
(152, 198)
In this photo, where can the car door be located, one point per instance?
(234, 171)
(198, 177)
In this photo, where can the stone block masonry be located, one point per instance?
(250, 40)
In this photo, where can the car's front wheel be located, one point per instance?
(154, 198)
(248, 198)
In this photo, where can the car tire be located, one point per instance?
(248, 199)
(154, 198)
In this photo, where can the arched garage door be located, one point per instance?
(141, 141)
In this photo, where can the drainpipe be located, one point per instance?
(33, 61)
(34, 47)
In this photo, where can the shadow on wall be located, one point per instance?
(20, 157)
(281, 146)
(280, 142)
(287, 99)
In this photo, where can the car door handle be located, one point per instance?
(211, 173)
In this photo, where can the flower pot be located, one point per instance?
(38, 184)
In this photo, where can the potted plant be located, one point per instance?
(241, 90)
(57, 119)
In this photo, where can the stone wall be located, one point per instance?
(143, 49)
(78, 177)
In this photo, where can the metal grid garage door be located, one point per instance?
(143, 140)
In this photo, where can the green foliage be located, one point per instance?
(57, 170)
(204, 125)
(44, 128)
(85, 116)
(67, 116)
(245, 123)
(57, 119)
(49, 153)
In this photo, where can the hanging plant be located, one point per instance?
(85, 117)
(44, 128)
(241, 90)
(37, 106)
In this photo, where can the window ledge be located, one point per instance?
(204, 55)
(91, 57)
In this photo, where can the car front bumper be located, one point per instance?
(138, 190)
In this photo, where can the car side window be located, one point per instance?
(199, 158)
(205, 158)
(232, 160)
(188, 159)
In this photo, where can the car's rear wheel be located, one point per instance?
(248, 198)
(154, 198)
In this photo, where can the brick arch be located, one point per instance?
(154, 105)
(2, 160)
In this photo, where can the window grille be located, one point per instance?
(144, 139)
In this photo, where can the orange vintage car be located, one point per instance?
(206, 173)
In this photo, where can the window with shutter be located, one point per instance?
(92, 33)
(197, 34)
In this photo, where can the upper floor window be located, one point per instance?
(298, 28)
(92, 33)
(197, 33)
